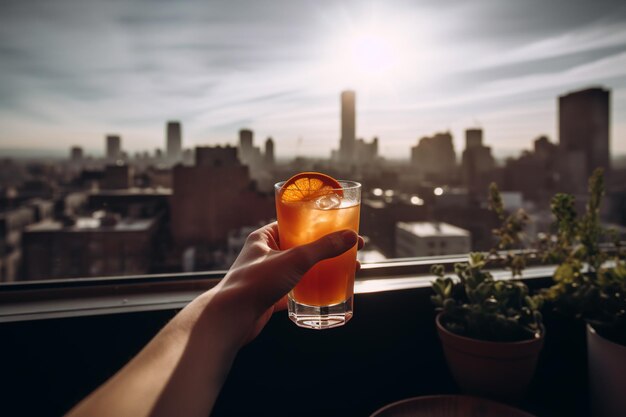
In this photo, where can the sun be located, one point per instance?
(368, 57)
(372, 54)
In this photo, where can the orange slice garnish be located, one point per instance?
(307, 186)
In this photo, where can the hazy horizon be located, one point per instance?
(74, 71)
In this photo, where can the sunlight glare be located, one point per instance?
(371, 56)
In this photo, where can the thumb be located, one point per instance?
(329, 246)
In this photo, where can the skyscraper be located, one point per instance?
(348, 126)
(269, 153)
(544, 149)
(434, 157)
(584, 131)
(473, 138)
(245, 145)
(76, 153)
(477, 162)
(113, 147)
(174, 140)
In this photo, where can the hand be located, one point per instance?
(262, 274)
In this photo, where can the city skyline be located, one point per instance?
(350, 149)
(74, 72)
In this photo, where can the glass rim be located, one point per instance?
(353, 185)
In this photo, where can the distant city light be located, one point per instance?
(377, 192)
(388, 193)
(417, 201)
(438, 191)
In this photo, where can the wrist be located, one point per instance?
(226, 310)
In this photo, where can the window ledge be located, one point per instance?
(25, 301)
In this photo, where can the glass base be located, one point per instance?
(320, 318)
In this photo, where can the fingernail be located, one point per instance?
(349, 237)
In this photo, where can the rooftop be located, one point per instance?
(424, 229)
(586, 91)
(91, 224)
(133, 191)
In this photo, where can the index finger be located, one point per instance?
(269, 233)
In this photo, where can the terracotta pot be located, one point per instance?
(498, 370)
(448, 406)
(607, 375)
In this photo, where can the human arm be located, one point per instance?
(181, 371)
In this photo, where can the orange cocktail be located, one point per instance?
(309, 206)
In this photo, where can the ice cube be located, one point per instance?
(328, 202)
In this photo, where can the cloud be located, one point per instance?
(71, 70)
(587, 39)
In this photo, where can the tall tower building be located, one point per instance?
(269, 152)
(584, 131)
(173, 132)
(348, 126)
(245, 145)
(473, 138)
(477, 162)
(113, 147)
(76, 153)
(434, 157)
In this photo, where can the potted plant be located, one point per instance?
(491, 330)
(590, 283)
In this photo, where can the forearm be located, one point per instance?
(180, 372)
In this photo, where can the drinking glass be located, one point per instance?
(323, 298)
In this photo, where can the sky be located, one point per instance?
(72, 71)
